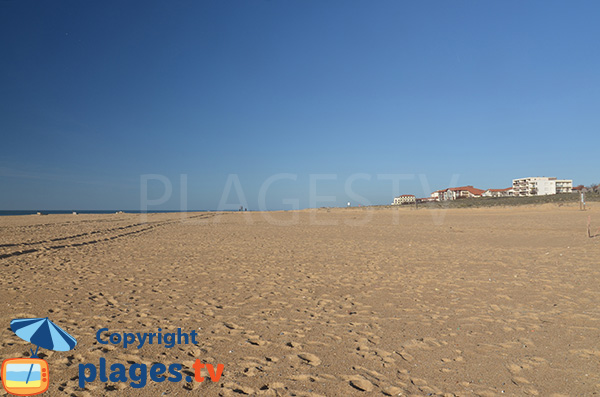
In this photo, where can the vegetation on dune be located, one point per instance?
(512, 201)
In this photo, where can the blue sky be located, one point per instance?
(96, 94)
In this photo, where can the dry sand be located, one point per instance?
(478, 302)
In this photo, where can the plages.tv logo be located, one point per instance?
(31, 376)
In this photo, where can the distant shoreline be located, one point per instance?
(92, 212)
(477, 202)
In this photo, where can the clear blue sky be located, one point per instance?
(94, 94)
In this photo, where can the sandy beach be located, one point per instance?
(331, 302)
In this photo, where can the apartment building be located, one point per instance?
(455, 193)
(564, 186)
(438, 195)
(541, 186)
(464, 192)
(404, 199)
(508, 192)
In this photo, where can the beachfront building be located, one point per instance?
(508, 192)
(438, 195)
(404, 199)
(426, 200)
(564, 186)
(541, 186)
(455, 193)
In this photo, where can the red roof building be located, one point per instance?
(454, 193)
(508, 192)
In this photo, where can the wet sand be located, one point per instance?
(327, 302)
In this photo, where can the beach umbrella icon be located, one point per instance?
(42, 332)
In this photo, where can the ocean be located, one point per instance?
(52, 212)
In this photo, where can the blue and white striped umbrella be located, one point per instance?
(43, 332)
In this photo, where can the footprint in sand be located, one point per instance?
(294, 345)
(520, 381)
(513, 368)
(392, 391)
(362, 384)
(310, 359)
(233, 389)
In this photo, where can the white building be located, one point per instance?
(541, 186)
(426, 199)
(404, 199)
(454, 193)
(564, 186)
(508, 192)
(438, 195)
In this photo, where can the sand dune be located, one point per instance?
(326, 302)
